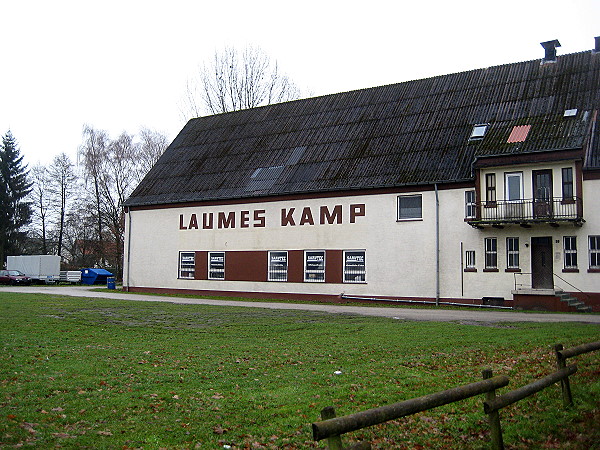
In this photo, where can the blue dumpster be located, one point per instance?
(110, 282)
(95, 276)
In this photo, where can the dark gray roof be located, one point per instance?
(411, 133)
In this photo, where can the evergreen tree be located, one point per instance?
(15, 211)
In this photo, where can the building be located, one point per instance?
(471, 187)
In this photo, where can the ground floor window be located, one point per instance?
(187, 264)
(594, 252)
(570, 252)
(491, 253)
(314, 266)
(216, 265)
(354, 266)
(470, 259)
(278, 266)
(512, 253)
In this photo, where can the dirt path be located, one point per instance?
(402, 313)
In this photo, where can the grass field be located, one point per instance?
(79, 373)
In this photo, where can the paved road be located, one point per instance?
(436, 315)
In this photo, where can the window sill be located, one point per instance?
(490, 205)
(567, 201)
(470, 269)
(415, 219)
(593, 270)
(570, 270)
(513, 270)
(491, 270)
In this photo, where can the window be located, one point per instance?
(187, 264)
(514, 186)
(278, 266)
(470, 259)
(478, 131)
(491, 253)
(512, 253)
(314, 266)
(470, 211)
(409, 207)
(594, 252)
(216, 265)
(490, 188)
(567, 183)
(354, 266)
(570, 252)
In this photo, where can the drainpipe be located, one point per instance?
(437, 246)
(128, 247)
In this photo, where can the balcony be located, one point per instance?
(527, 212)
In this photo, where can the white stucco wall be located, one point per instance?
(400, 255)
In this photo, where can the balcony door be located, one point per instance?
(542, 193)
(541, 263)
(513, 183)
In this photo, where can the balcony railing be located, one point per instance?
(527, 212)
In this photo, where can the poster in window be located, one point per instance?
(216, 263)
(315, 261)
(354, 266)
(278, 261)
(314, 266)
(186, 264)
(278, 266)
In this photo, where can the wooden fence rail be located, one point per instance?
(341, 425)
(332, 427)
(493, 404)
(561, 362)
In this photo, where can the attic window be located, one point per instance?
(518, 134)
(570, 112)
(478, 131)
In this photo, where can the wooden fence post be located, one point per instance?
(333, 442)
(494, 416)
(564, 383)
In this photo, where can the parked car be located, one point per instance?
(13, 277)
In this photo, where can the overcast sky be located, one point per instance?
(123, 65)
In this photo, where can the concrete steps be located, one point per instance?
(573, 302)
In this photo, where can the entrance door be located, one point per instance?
(542, 193)
(541, 263)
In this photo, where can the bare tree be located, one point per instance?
(62, 187)
(111, 169)
(117, 182)
(79, 242)
(234, 81)
(40, 199)
(152, 146)
(92, 156)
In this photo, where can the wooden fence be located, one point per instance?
(332, 427)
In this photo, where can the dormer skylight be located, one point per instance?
(570, 112)
(478, 131)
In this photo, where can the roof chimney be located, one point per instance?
(550, 48)
(597, 48)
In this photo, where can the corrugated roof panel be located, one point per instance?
(519, 133)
